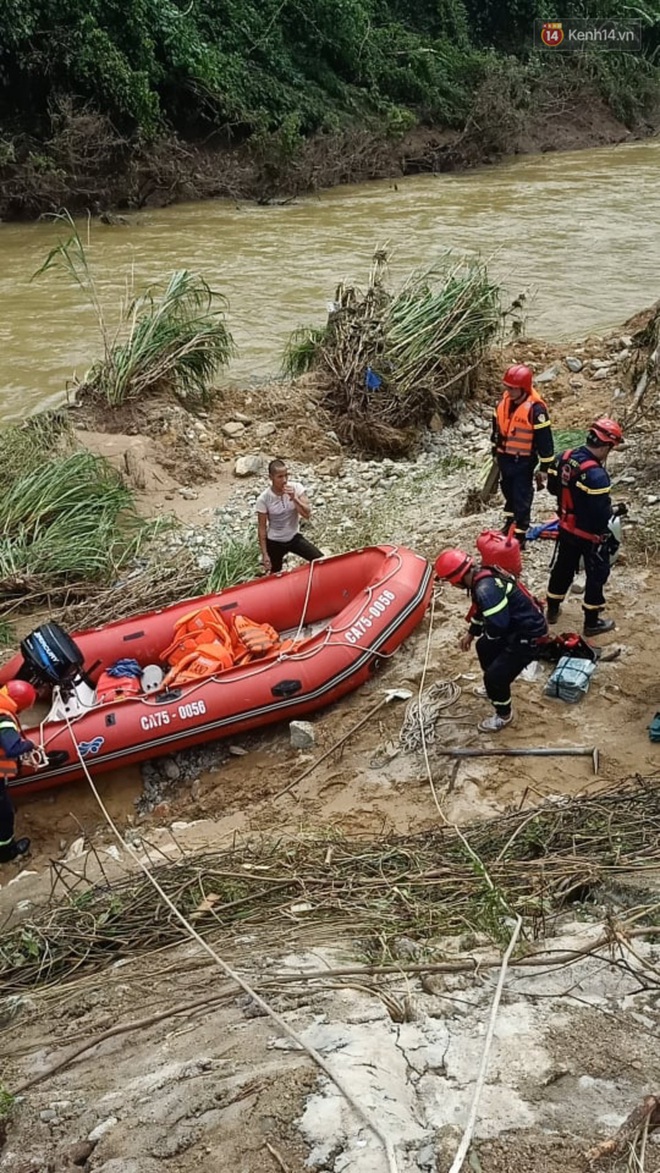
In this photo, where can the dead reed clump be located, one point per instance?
(389, 361)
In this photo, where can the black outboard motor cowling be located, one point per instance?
(50, 656)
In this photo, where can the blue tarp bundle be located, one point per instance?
(125, 668)
(570, 679)
(547, 529)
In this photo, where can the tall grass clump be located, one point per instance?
(390, 359)
(24, 447)
(70, 521)
(238, 560)
(170, 338)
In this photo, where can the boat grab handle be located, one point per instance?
(167, 695)
(286, 688)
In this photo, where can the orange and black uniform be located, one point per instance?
(12, 746)
(582, 488)
(522, 440)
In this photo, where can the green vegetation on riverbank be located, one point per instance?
(86, 90)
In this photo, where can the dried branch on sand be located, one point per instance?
(421, 886)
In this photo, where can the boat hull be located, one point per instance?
(363, 604)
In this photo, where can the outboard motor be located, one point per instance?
(50, 657)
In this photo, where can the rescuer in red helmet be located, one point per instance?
(508, 622)
(522, 443)
(582, 487)
(15, 696)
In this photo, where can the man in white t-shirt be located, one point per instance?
(279, 510)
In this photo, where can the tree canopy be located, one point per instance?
(241, 67)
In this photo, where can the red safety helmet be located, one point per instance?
(607, 431)
(22, 693)
(453, 565)
(518, 377)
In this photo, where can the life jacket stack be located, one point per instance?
(205, 644)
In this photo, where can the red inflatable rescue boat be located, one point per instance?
(339, 619)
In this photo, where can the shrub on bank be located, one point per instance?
(173, 340)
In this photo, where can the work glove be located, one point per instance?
(620, 509)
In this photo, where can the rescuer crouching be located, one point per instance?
(507, 622)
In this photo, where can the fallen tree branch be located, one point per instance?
(646, 1115)
(121, 1028)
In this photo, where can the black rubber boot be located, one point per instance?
(552, 614)
(598, 626)
(13, 850)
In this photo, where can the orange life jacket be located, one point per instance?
(206, 660)
(516, 430)
(116, 688)
(202, 647)
(257, 638)
(203, 628)
(8, 720)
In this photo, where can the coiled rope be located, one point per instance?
(422, 712)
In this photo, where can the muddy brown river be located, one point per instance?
(578, 232)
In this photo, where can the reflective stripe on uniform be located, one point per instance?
(592, 492)
(508, 587)
(6, 842)
(542, 424)
(494, 610)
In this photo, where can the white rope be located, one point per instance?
(304, 609)
(231, 973)
(466, 1139)
(423, 711)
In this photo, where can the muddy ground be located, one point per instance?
(221, 1087)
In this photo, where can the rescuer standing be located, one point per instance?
(522, 445)
(582, 487)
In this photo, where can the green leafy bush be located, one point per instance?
(241, 66)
